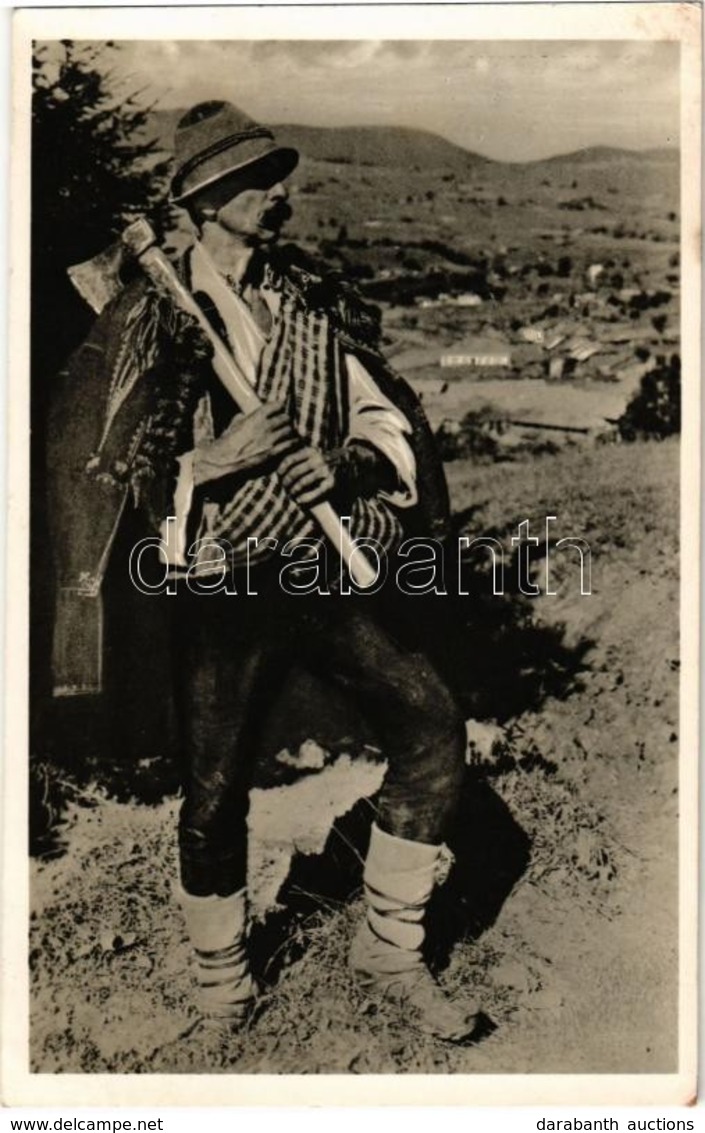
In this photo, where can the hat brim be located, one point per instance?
(281, 160)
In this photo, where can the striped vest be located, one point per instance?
(303, 366)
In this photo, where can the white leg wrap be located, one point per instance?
(217, 928)
(386, 952)
(399, 877)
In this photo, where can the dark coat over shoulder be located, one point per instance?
(120, 415)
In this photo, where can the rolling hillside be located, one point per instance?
(392, 146)
(603, 155)
(400, 147)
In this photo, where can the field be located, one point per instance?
(567, 270)
(560, 916)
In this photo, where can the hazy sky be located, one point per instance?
(506, 99)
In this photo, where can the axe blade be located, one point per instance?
(98, 280)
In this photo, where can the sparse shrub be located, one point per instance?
(537, 445)
(501, 201)
(49, 794)
(655, 410)
(660, 298)
(643, 301)
(659, 322)
(579, 204)
(453, 255)
(471, 437)
(564, 266)
(361, 271)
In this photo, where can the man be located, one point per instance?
(335, 425)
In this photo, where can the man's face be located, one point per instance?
(257, 216)
(255, 211)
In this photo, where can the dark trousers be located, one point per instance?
(230, 654)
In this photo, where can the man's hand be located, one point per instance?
(251, 442)
(306, 476)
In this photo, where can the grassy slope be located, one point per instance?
(573, 954)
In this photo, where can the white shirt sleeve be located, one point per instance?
(374, 419)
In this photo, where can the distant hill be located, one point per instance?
(400, 148)
(611, 155)
(395, 147)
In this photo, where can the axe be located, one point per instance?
(98, 280)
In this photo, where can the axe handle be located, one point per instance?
(158, 267)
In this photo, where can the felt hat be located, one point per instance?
(215, 140)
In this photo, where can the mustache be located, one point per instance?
(278, 213)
